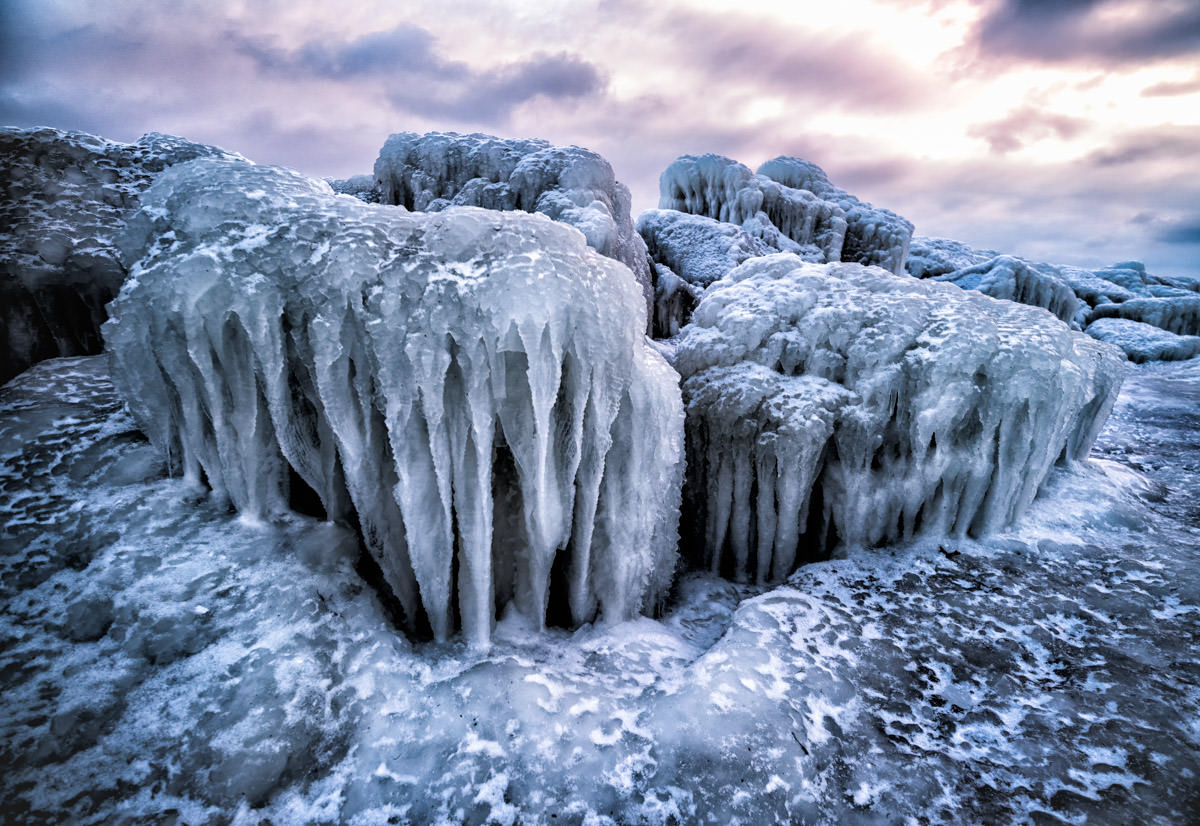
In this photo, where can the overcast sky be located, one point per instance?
(1064, 131)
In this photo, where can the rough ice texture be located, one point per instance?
(362, 187)
(1144, 342)
(838, 405)
(1179, 314)
(430, 172)
(1015, 280)
(929, 257)
(66, 196)
(695, 251)
(873, 235)
(475, 385)
(786, 219)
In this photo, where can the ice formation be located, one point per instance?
(66, 196)
(873, 235)
(1144, 342)
(573, 185)
(929, 257)
(839, 406)
(1015, 280)
(475, 384)
(1179, 314)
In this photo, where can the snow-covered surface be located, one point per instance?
(874, 236)
(576, 186)
(839, 405)
(1014, 280)
(475, 385)
(163, 660)
(65, 198)
(1144, 342)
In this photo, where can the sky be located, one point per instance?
(1064, 131)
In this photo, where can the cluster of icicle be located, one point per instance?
(473, 385)
(838, 405)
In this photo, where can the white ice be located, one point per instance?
(474, 385)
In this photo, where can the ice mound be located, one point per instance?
(691, 252)
(474, 384)
(873, 235)
(1015, 280)
(786, 219)
(838, 406)
(1144, 342)
(929, 257)
(1178, 314)
(67, 195)
(430, 172)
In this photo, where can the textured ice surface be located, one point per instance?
(362, 187)
(475, 384)
(1015, 280)
(1144, 342)
(929, 257)
(784, 218)
(839, 405)
(164, 661)
(573, 185)
(695, 251)
(65, 197)
(1178, 314)
(873, 235)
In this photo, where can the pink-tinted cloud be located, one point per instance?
(1026, 125)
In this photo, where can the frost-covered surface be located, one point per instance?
(1178, 314)
(362, 187)
(929, 257)
(65, 197)
(1014, 280)
(838, 405)
(874, 236)
(576, 186)
(694, 251)
(784, 218)
(1144, 342)
(162, 660)
(476, 385)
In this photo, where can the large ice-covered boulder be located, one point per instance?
(1177, 314)
(873, 235)
(784, 218)
(929, 257)
(430, 172)
(1143, 342)
(838, 405)
(65, 197)
(475, 385)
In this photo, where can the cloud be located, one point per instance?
(415, 77)
(842, 71)
(1186, 231)
(1106, 32)
(1151, 145)
(1171, 89)
(1025, 125)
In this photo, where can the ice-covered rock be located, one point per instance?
(476, 385)
(1015, 280)
(695, 251)
(362, 187)
(1178, 314)
(837, 405)
(873, 235)
(66, 195)
(573, 185)
(1144, 342)
(929, 257)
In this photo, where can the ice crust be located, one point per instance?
(873, 235)
(1178, 314)
(1144, 342)
(1014, 280)
(833, 406)
(576, 186)
(474, 385)
(66, 196)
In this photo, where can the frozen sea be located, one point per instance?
(162, 661)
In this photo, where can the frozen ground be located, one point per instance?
(163, 662)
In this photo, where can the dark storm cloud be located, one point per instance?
(1024, 125)
(845, 71)
(1186, 231)
(418, 79)
(1056, 31)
